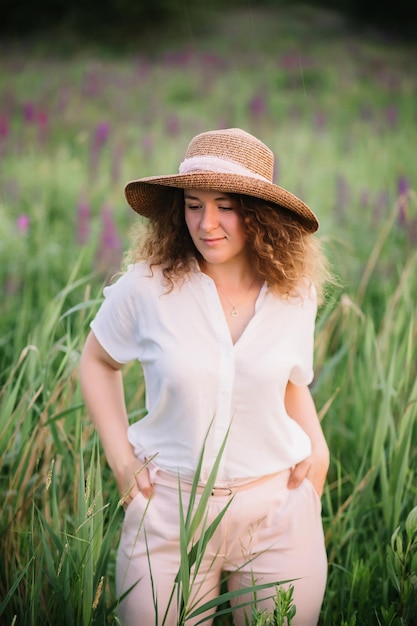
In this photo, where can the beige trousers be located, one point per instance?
(268, 533)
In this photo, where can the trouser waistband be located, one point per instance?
(229, 489)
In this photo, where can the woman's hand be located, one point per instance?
(314, 467)
(131, 479)
(301, 408)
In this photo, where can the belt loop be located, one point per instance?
(225, 491)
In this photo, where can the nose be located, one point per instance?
(209, 218)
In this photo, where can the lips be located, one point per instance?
(212, 242)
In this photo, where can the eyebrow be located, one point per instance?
(188, 197)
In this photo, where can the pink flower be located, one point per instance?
(320, 120)
(109, 253)
(402, 188)
(91, 84)
(23, 223)
(109, 237)
(172, 125)
(101, 134)
(391, 115)
(258, 105)
(4, 126)
(29, 112)
(42, 120)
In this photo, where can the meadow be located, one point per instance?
(339, 109)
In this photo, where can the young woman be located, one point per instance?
(218, 304)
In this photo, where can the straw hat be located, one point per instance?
(228, 160)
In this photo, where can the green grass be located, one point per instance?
(339, 111)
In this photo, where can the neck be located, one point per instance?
(230, 277)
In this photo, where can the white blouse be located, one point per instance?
(200, 387)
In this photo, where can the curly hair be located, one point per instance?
(284, 254)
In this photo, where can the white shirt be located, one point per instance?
(199, 384)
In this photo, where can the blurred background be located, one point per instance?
(118, 19)
(95, 94)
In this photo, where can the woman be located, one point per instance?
(218, 305)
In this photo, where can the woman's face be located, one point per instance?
(215, 226)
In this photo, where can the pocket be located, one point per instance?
(136, 508)
(133, 525)
(312, 489)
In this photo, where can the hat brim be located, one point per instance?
(143, 194)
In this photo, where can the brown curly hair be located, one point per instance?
(284, 254)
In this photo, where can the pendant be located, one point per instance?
(234, 312)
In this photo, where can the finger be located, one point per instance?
(129, 495)
(143, 483)
(297, 475)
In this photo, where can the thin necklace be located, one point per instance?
(235, 311)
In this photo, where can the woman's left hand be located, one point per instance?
(314, 467)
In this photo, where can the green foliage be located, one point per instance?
(402, 571)
(283, 613)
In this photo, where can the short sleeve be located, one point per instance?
(117, 323)
(302, 372)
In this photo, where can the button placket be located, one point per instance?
(221, 419)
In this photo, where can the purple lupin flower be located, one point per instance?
(391, 115)
(258, 105)
(172, 125)
(83, 222)
(289, 61)
(29, 112)
(22, 223)
(110, 239)
(402, 189)
(4, 126)
(342, 195)
(213, 60)
(42, 121)
(109, 253)
(64, 98)
(101, 135)
(180, 58)
(142, 68)
(364, 198)
(320, 120)
(91, 84)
